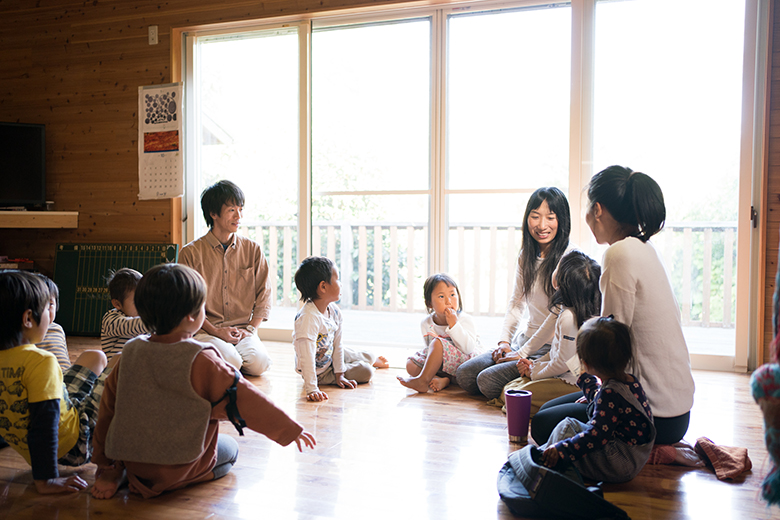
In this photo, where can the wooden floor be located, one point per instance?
(385, 453)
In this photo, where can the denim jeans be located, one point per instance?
(482, 375)
(227, 454)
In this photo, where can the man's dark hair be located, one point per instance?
(167, 294)
(310, 273)
(215, 196)
(19, 292)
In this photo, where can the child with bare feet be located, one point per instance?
(46, 416)
(158, 426)
(450, 337)
(320, 357)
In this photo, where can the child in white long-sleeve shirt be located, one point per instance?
(320, 357)
(121, 323)
(577, 297)
(450, 337)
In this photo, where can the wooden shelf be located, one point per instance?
(39, 219)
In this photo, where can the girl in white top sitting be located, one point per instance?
(626, 209)
(576, 299)
(450, 337)
(546, 227)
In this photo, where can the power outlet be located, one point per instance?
(153, 40)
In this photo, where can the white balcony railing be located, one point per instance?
(699, 255)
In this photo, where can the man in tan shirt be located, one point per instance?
(236, 273)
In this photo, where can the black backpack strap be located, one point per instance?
(231, 407)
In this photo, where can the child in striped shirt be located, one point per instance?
(54, 341)
(121, 323)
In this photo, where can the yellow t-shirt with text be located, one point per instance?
(31, 375)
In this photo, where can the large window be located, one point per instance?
(671, 107)
(507, 131)
(246, 130)
(407, 142)
(371, 120)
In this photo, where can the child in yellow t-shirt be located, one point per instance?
(45, 415)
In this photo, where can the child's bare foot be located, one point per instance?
(439, 383)
(685, 455)
(108, 482)
(381, 362)
(415, 383)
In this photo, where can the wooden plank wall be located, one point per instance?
(76, 66)
(772, 200)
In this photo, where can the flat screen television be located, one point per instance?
(22, 165)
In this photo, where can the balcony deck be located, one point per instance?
(398, 334)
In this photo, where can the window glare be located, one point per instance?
(668, 96)
(508, 99)
(423, 162)
(249, 122)
(371, 107)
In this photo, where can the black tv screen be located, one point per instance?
(22, 164)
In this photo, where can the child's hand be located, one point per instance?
(343, 382)
(451, 316)
(70, 484)
(317, 396)
(550, 457)
(524, 367)
(307, 439)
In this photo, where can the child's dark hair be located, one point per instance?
(605, 345)
(54, 291)
(558, 204)
(215, 196)
(432, 282)
(310, 273)
(632, 198)
(19, 292)
(121, 282)
(578, 286)
(167, 294)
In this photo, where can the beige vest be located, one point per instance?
(158, 417)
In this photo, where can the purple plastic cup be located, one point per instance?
(518, 414)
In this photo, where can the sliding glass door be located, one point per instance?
(406, 142)
(507, 127)
(371, 119)
(671, 107)
(243, 127)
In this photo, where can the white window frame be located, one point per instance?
(750, 292)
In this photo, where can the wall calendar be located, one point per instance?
(160, 139)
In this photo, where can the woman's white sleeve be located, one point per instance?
(515, 307)
(618, 290)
